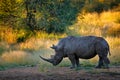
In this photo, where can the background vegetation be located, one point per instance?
(29, 27)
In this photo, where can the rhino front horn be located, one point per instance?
(48, 60)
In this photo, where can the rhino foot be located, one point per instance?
(98, 67)
(104, 67)
(72, 67)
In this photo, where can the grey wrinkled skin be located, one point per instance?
(85, 47)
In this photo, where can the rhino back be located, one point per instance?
(83, 47)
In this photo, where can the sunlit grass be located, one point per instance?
(114, 42)
(114, 58)
(103, 24)
(15, 58)
(7, 34)
(36, 44)
(109, 17)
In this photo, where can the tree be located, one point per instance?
(9, 12)
(55, 15)
(31, 10)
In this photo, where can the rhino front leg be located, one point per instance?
(77, 62)
(73, 60)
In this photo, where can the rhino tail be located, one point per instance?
(109, 51)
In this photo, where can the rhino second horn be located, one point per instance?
(54, 47)
(48, 60)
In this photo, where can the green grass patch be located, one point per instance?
(65, 63)
(13, 65)
(44, 66)
(1, 50)
(86, 64)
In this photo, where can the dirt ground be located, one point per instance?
(60, 73)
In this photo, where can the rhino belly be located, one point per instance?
(86, 55)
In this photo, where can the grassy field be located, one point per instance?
(12, 54)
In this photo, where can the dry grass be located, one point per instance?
(103, 24)
(36, 44)
(15, 56)
(109, 17)
(114, 42)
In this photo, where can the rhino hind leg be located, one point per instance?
(100, 63)
(103, 61)
(107, 62)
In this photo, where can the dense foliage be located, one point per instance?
(49, 15)
(25, 17)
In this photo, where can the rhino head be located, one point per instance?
(55, 59)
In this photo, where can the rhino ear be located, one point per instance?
(53, 47)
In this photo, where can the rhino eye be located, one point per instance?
(57, 51)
